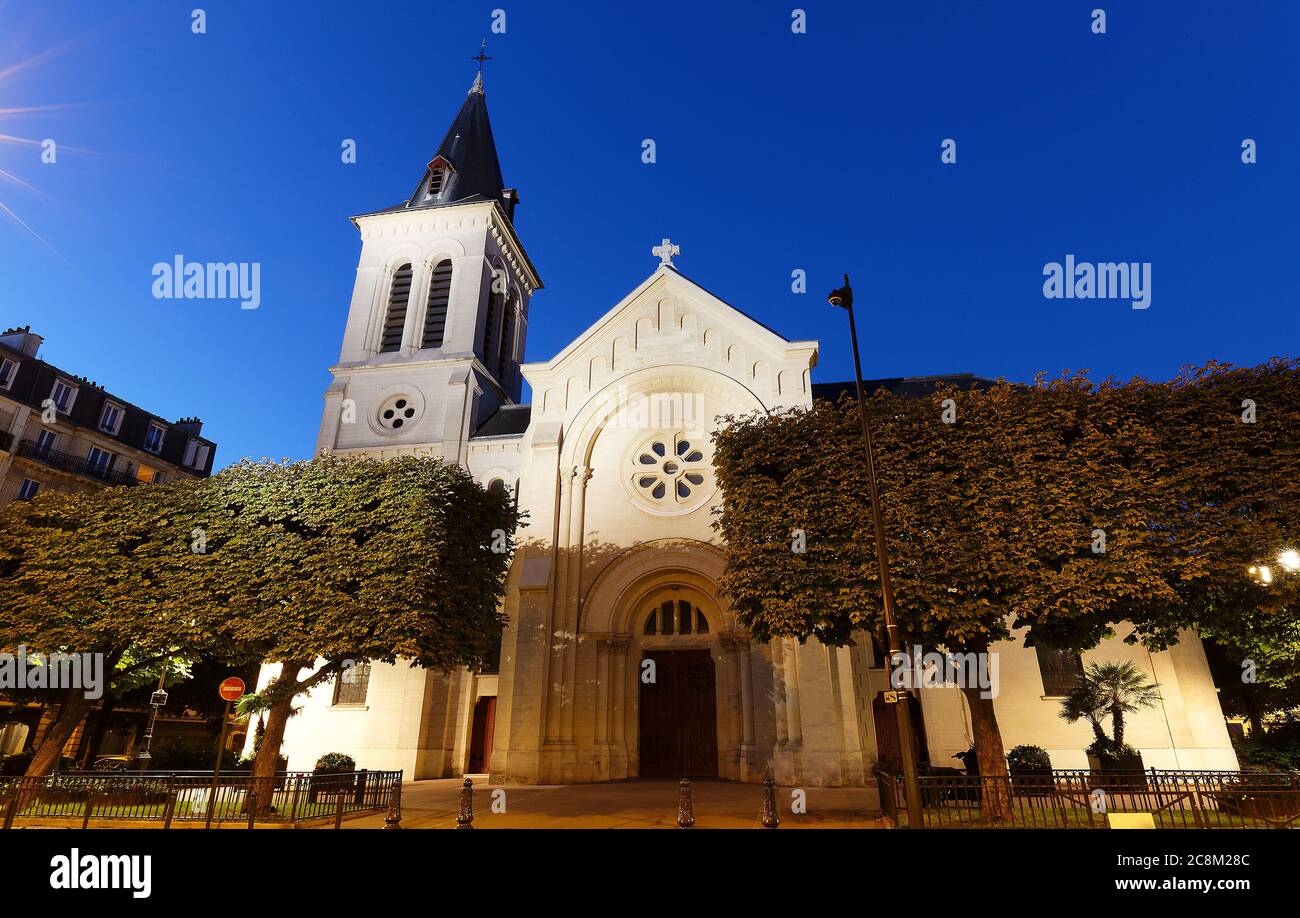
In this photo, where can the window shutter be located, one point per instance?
(435, 313)
(507, 343)
(398, 296)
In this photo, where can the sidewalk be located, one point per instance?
(639, 804)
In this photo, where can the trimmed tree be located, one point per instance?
(322, 565)
(1033, 508)
(91, 573)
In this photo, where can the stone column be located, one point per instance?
(618, 730)
(573, 593)
(557, 687)
(604, 646)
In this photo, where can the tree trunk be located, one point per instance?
(75, 706)
(1117, 718)
(268, 753)
(97, 735)
(995, 796)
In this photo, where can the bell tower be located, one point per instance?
(439, 314)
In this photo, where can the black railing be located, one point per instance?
(154, 796)
(1082, 798)
(77, 465)
(6, 441)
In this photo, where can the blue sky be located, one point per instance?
(775, 150)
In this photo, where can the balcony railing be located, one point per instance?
(77, 465)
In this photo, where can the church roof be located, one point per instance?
(506, 421)
(465, 167)
(903, 386)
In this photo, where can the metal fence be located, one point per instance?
(1082, 798)
(167, 797)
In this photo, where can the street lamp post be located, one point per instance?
(156, 701)
(843, 297)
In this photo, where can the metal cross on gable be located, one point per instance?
(666, 250)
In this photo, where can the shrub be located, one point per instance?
(1026, 756)
(1104, 748)
(332, 763)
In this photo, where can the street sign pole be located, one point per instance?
(230, 690)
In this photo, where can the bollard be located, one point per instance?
(769, 818)
(250, 803)
(466, 818)
(170, 809)
(394, 818)
(685, 806)
(338, 812)
(11, 810)
(90, 808)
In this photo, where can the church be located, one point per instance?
(616, 571)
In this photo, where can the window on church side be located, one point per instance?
(399, 294)
(490, 322)
(436, 179)
(435, 312)
(1060, 669)
(351, 685)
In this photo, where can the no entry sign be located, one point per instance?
(231, 689)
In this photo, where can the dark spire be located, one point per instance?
(466, 167)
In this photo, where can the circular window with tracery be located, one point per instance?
(397, 412)
(671, 472)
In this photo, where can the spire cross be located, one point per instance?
(666, 250)
(481, 56)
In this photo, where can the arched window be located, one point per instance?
(507, 343)
(435, 312)
(399, 294)
(496, 302)
(496, 486)
(676, 617)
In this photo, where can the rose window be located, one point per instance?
(397, 412)
(672, 471)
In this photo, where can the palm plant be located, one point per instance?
(1111, 690)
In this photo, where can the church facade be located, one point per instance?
(621, 659)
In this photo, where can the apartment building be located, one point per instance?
(62, 432)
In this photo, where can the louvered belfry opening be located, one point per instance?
(507, 343)
(435, 313)
(490, 326)
(398, 296)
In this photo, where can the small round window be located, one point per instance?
(397, 412)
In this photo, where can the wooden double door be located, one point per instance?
(679, 716)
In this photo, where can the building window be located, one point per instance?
(100, 461)
(399, 294)
(45, 441)
(495, 306)
(350, 685)
(671, 470)
(196, 455)
(8, 370)
(110, 419)
(397, 411)
(63, 395)
(153, 440)
(435, 312)
(28, 489)
(507, 343)
(676, 617)
(1061, 670)
(436, 179)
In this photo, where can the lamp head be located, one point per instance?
(843, 297)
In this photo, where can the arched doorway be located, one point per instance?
(678, 722)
